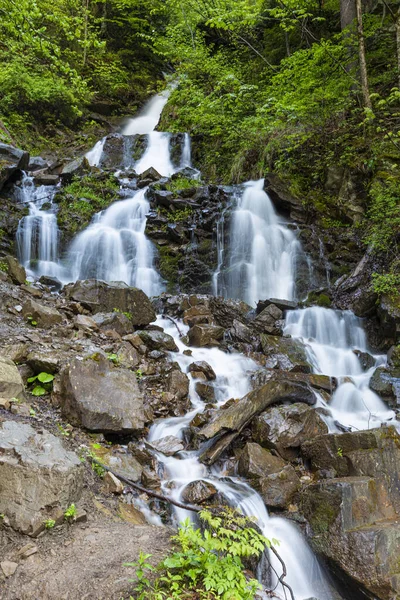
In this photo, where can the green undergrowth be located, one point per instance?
(85, 196)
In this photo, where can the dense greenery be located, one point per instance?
(59, 57)
(206, 563)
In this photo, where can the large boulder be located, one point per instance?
(115, 321)
(11, 384)
(389, 316)
(16, 271)
(101, 397)
(386, 383)
(45, 316)
(37, 476)
(199, 491)
(11, 160)
(285, 353)
(99, 296)
(205, 335)
(284, 428)
(158, 340)
(256, 462)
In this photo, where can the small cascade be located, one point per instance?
(157, 155)
(232, 380)
(115, 248)
(331, 338)
(147, 119)
(186, 160)
(262, 252)
(94, 155)
(37, 233)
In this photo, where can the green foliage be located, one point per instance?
(70, 513)
(207, 562)
(31, 321)
(139, 374)
(63, 430)
(384, 214)
(46, 379)
(114, 358)
(3, 266)
(49, 523)
(386, 283)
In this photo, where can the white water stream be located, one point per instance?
(262, 252)
(331, 338)
(232, 381)
(37, 233)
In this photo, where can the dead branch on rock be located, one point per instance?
(175, 323)
(193, 508)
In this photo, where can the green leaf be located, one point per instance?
(45, 377)
(38, 390)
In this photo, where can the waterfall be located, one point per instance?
(157, 155)
(37, 233)
(262, 250)
(232, 380)
(186, 160)
(331, 337)
(94, 155)
(115, 248)
(147, 119)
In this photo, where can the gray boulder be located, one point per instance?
(37, 476)
(101, 397)
(114, 321)
(11, 160)
(45, 316)
(158, 340)
(11, 384)
(16, 271)
(285, 353)
(99, 296)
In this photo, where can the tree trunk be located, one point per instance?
(361, 55)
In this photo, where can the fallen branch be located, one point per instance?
(284, 573)
(175, 323)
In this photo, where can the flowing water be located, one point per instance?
(331, 338)
(263, 250)
(232, 380)
(37, 233)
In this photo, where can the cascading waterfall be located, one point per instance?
(232, 380)
(262, 250)
(37, 233)
(331, 338)
(115, 248)
(94, 155)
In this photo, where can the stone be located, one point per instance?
(8, 567)
(37, 475)
(389, 316)
(285, 428)
(205, 335)
(85, 322)
(206, 391)
(45, 316)
(277, 489)
(240, 413)
(11, 384)
(28, 550)
(128, 356)
(114, 321)
(77, 167)
(256, 462)
(16, 271)
(150, 175)
(46, 179)
(99, 296)
(112, 484)
(131, 515)
(196, 315)
(158, 340)
(240, 332)
(178, 384)
(32, 291)
(394, 357)
(285, 353)
(266, 321)
(386, 383)
(43, 362)
(197, 492)
(36, 163)
(52, 283)
(283, 305)
(201, 366)
(100, 397)
(11, 160)
(168, 445)
(366, 360)
(150, 480)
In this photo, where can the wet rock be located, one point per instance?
(366, 360)
(314, 380)
(225, 311)
(114, 321)
(150, 175)
(389, 316)
(266, 321)
(36, 163)
(283, 305)
(52, 283)
(201, 366)
(100, 397)
(244, 410)
(11, 160)
(45, 179)
(11, 384)
(256, 462)
(285, 428)
(206, 391)
(150, 480)
(168, 445)
(15, 270)
(197, 315)
(37, 476)
(394, 357)
(205, 335)
(386, 383)
(285, 353)
(241, 333)
(158, 340)
(197, 492)
(45, 316)
(99, 296)
(277, 489)
(178, 384)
